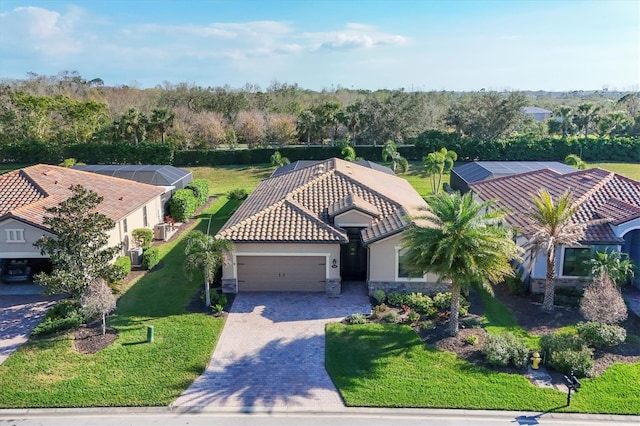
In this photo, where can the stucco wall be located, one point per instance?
(135, 220)
(20, 250)
(352, 218)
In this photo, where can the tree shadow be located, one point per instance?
(281, 373)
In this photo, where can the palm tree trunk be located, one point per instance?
(549, 285)
(452, 329)
(207, 296)
(104, 324)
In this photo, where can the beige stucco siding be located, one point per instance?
(19, 250)
(328, 251)
(383, 261)
(135, 220)
(352, 218)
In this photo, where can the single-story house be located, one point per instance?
(168, 177)
(598, 194)
(25, 193)
(476, 171)
(315, 226)
(537, 113)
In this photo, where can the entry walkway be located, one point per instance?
(271, 353)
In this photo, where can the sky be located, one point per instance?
(463, 45)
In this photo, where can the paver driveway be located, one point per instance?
(18, 315)
(271, 353)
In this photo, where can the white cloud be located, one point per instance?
(354, 36)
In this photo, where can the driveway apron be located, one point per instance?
(271, 353)
(19, 314)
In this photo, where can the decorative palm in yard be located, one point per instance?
(206, 253)
(436, 164)
(463, 241)
(551, 227)
(390, 152)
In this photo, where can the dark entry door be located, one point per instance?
(353, 257)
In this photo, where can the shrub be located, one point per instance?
(442, 301)
(471, 339)
(237, 194)
(413, 317)
(142, 237)
(356, 319)
(390, 317)
(579, 361)
(380, 296)
(217, 308)
(216, 298)
(150, 257)
(602, 302)
(200, 189)
(421, 303)
(379, 309)
(600, 335)
(182, 205)
(64, 316)
(427, 325)
(472, 322)
(560, 341)
(504, 349)
(396, 299)
(122, 267)
(515, 285)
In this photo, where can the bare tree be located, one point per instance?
(602, 302)
(98, 300)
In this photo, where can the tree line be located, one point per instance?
(67, 109)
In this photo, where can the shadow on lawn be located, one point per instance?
(280, 373)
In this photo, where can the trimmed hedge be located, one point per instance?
(182, 205)
(200, 188)
(123, 266)
(142, 237)
(150, 257)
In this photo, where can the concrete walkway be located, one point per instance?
(271, 353)
(19, 314)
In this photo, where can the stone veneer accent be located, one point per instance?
(229, 285)
(334, 286)
(537, 284)
(408, 287)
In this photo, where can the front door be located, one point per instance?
(353, 257)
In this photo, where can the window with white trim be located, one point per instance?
(403, 272)
(145, 221)
(15, 235)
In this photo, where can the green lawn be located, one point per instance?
(50, 373)
(376, 365)
(223, 179)
(630, 170)
(7, 167)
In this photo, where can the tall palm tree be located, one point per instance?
(564, 114)
(206, 253)
(436, 164)
(586, 116)
(305, 124)
(551, 227)
(390, 152)
(161, 119)
(463, 241)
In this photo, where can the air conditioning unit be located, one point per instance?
(161, 232)
(135, 254)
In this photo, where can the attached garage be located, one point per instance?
(281, 273)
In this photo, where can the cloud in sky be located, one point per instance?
(457, 49)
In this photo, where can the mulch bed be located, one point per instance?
(89, 339)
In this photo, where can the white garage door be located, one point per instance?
(281, 273)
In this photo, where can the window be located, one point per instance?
(124, 225)
(15, 235)
(574, 264)
(403, 269)
(145, 221)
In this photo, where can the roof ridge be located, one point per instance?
(33, 182)
(527, 173)
(605, 180)
(367, 188)
(314, 217)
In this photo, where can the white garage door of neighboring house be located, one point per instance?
(281, 273)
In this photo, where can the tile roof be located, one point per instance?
(598, 194)
(298, 206)
(25, 193)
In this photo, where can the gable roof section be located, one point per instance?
(296, 165)
(30, 190)
(159, 175)
(481, 170)
(297, 206)
(597, 193)
(352, 202)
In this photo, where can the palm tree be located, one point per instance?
(348, 153)
(206, 253)
(551, 227)
(306, 123)
(161, 119)
(616, 265)
(436, 164)
(278, 160)
(564, 114)
(463, 241)
(390, 151)
(586, 116)
(575, 161)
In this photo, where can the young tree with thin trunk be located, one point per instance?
(98, 300)
(461, 241)
(602, 302)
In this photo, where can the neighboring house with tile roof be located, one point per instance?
(25, 193)
(311, 227)
(609, 198)
(537, 113)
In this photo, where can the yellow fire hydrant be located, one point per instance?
(535, 360)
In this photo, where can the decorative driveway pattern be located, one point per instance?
(18, 315)
(271, 353)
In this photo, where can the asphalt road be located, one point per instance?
(358, 417)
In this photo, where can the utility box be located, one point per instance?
(161, 232)
(135, 254)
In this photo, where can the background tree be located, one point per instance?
(602, 302)
(328, 116)
(205, 253)
(132, 126)
(586, 117)
(551, 227)
(461, 240)
(250, 127)
(563, 116)
(436, 164)
(78, 250)
(161, 120)
(280, 130)
(98, 299)
(390, 152)
(574, 160)
(348, 153)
